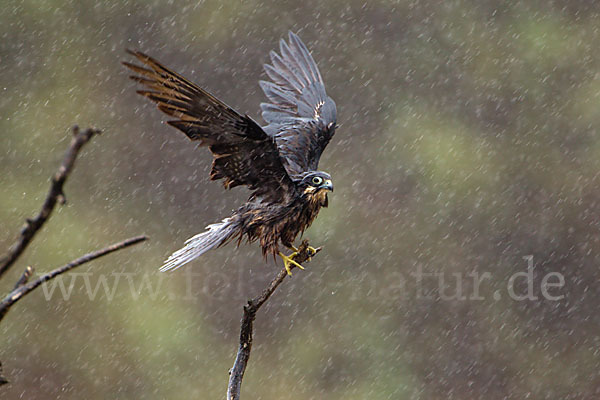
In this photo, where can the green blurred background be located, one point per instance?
(468, 140)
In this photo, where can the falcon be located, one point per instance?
(278, 162)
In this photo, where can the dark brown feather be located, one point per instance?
(276, 223)
(244, 153)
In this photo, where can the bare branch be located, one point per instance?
(243, 355)
(55, 195)
(20, 291)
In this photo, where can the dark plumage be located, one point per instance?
(278, 162)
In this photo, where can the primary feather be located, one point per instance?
(300, 115)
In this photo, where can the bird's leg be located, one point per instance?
(289, 260)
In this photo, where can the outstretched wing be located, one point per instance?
(243, 153)
(300, 115)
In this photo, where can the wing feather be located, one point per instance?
(300, 116)
(243, 153)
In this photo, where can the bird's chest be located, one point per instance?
(303, 213)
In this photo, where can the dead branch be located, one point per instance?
(55, 194)
(21, 290)
(236, 374)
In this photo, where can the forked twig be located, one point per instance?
(21, 290)
(55, 194)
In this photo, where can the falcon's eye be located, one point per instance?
(317, 180)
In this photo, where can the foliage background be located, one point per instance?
(468, 140)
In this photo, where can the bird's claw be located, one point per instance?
(289, 260)
(311, 252)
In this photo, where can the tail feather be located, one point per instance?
(214, 236)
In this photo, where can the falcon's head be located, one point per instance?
(315, 185)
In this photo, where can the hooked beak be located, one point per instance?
(327, 185)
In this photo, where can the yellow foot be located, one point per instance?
(289, 260)
(311, 252)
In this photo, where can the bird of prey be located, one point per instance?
(278, 162)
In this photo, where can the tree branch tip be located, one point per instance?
(136, 239)
(250, 308)
(24, 277)
(87, 132)
(95, 131)
(132, 241)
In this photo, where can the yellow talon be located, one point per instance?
(289, 260)
(311, 252)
